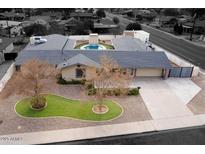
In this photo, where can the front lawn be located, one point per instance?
(58, 106)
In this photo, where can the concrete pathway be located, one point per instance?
(184, 88)
(100, 131)
(77, 133)
(160, 99)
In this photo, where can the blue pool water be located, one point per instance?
(93, 46)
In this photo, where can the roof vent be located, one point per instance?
(37, 40)
(1, 40)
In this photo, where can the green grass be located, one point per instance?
(60, 106)
(80, 45)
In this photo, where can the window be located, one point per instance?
(80, 73)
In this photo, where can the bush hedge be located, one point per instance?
(60, 80)
(134, 91)
(91, 90)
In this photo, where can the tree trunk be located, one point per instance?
(192, 30)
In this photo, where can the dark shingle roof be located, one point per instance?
(130, 44)
(52, 57)
(54, 42)
(126, 59)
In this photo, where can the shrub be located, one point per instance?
(115, 20)
(134, 26)
(90, 89)
(101, 13)
(60, 80)
(117, 92)
(38, 102)
(109, 92)
(134, 91)
(90, 86)
(76, 82)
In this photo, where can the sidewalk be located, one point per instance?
(102, 131)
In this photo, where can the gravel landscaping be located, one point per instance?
(133, 106)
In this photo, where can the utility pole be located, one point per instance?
(8, 28)
(193, 26)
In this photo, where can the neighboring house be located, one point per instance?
(53, 15)
(6, 48)
(12, 16)
(82, 16)
(69, 23)
(43, 20)
(103, 25)
(12, 28)
(198, 28)
(184, 18)
(145, 14)
(81, 64)
(167, 21)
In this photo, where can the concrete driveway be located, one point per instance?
(166, 98)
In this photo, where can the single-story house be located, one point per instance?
(198, 28)
(43, 20)
(53, 14)
(12, 28)
(6, 47)
(82, 16)
(169, 21)
(82, 64)
(72, 62)
(12, 16)
(69, 23)
(103, 25)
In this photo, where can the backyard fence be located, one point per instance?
(181, 72)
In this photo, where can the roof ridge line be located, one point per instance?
(64, 45)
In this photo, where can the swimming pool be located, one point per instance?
(93, 46)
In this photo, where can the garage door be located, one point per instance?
(149, 72)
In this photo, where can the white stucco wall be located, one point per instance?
(9, 48)
(93, 39)
(69, 73)
(177, 60)
(7, 76)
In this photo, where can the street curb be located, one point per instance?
(179, 38)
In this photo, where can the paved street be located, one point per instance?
(188, 51)
(188, 136)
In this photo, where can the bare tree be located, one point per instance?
(109, 76)
(30, 80)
